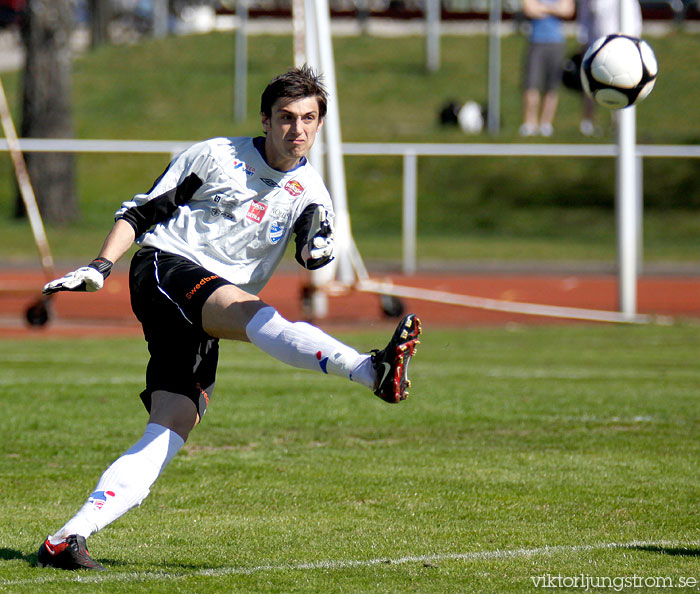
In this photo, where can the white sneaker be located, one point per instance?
(587, 128)
(546, 130)
(527, 130)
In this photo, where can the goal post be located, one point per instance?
(327, 154)
(626, 203)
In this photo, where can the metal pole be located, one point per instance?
(494, 109)
(160, 18)
(639, 168)
(626, 211)
(321, 277)
(432, 37)
(311, 56)
(241, 77)
(410, 208)
(298, 29)
(334, 148)
(626, 198)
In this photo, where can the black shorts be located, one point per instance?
(167, 295)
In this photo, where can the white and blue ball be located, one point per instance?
(618, 70)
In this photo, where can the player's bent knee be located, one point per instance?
(174, 411)
(228, 310)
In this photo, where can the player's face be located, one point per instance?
(291, 131)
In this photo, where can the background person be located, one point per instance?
(544, 62)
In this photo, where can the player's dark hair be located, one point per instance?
(296, 83)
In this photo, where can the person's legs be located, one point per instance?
(533, 80)
(531, 108)
(180, 380)
(128, 480)
(587, 126)
(234, 314)
(183, 342)
(125, 484)
(549, 110)
(553, 61)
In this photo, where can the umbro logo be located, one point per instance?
(269, 182)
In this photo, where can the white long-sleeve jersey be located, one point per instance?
(220, 205)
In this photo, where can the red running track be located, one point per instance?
(108, 311)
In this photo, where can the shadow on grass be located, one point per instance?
(12, 554)
(31, 560)
(664, 550)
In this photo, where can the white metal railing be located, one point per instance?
(408, 151)
(411, 151)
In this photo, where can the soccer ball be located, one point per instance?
(618, 70)
(471, 118)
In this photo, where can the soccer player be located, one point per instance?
(212, 230)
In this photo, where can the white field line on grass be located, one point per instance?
(47, 576)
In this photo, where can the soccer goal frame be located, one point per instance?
(348, 268)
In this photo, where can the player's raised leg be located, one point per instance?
(229, 311)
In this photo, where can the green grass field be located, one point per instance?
(469, 208)
(523, 453)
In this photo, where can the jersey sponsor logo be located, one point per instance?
(276, 232)
(199, 285)
(246, 168)
(294, 187)
(256, 212)
(269, 182)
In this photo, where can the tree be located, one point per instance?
(46, 105)
(99, 22)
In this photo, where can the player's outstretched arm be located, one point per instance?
(91, 277)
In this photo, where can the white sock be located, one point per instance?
(125, 484)
(302, 345)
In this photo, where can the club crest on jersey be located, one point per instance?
(276, 232)
(256, 212)
(294, 187)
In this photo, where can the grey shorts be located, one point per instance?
(544, 66)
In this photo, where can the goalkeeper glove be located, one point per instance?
(88, 278)
(318, 250)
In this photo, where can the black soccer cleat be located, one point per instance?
(70, 554)
(391, 363)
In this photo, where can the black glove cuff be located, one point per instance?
(316, 263)
(102, 265)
